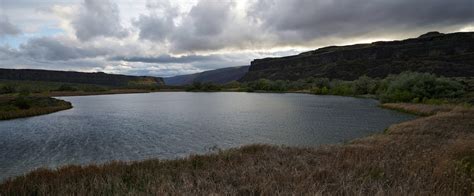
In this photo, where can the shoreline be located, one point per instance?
(423, 155)
(54, 105)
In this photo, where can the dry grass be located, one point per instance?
(427, 156)
(418, 109)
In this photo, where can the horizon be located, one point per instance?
(170, 38)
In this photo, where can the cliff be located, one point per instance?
(450, 55)
(78, 77)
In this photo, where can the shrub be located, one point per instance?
(232, 85)
(24, 92)
(324, 91)
(409, 86)
(94, 89)
(315, 90)
(7, 89)
(66, 87)
(22, 102)
(364, 85)
(339, 87)
(198, 86)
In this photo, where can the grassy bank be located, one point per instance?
(12, 107)
(426, 156)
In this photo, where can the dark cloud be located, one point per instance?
(7, 28)
(158, 24)
(200, 29)
(303, 20)
(203, 28)
(154, 28)
(209, 17)
(169, 59)
(98, 18)
(50, 48)
(213, 25)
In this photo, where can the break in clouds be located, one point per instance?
(169, 37)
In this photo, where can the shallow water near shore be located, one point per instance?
(175, 124)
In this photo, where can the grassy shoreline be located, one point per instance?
(11, 108)
(430, 155)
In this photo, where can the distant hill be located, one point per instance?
(217, 76)
(449, 55)
(78, 77)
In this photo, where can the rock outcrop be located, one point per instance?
(450, 55)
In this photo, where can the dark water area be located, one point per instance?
(169, 125)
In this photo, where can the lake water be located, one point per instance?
(168, 125)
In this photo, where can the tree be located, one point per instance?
(364, 85)
(411, 86)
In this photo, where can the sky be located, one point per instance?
(174, 37)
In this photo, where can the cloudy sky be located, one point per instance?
(173, 37)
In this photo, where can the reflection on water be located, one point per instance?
(169, 125)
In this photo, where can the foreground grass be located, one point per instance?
(11, 108)
(428, 156)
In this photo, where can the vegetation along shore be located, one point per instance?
(21, 106)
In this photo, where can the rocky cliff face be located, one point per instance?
(449, 55)
(78, 77)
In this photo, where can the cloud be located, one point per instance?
(7, 28)
(159, 23)
(98, 18)
(169, 59)
(54, 49)
(209, 18)
(154, 28)
(307, 20)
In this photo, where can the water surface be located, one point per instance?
(169, 125)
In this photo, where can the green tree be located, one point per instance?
(412, 86)
(364, 85)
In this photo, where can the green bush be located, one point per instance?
(339, 87)
(315, 90)
(24, 92)
(410, 86)
(207, 87)
(7, 89)
(66, 87)
(94, 89)
(22, 102)
(324, 91)
(364, 85)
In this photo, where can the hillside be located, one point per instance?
(218, 76)
(78, 77)
(449, 55)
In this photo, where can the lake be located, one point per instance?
(175, 124)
